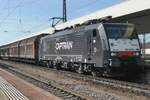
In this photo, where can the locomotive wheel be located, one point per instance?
(57, 66)
(50, 64)
(107, 70)
(69, 66)
(79, 70)
(97, 72)
(94, 74)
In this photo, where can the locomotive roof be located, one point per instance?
(77, 29)
(81, 28)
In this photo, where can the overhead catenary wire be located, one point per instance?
(88, 4)
(5, 18)
(11, 9)
(20, 20)
(4, 6)
(78, 9)
(22, 5)
(23, 23)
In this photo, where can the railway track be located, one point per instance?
(138, 89)
(66, 95)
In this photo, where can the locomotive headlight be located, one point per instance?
(136, 54)
(113, 54)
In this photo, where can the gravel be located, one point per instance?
(85, 90)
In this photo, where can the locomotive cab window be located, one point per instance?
(120, 31)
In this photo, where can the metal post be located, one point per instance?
(56, 20)
(64, 11)
(144, 40)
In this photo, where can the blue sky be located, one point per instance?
(19, 18)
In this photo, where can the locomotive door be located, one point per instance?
(91, 39)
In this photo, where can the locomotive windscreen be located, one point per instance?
(122, 37)
(120, 31)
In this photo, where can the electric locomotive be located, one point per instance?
(95, 46)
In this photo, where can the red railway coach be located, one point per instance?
(25, 50)
(14, 51)
(4, 52)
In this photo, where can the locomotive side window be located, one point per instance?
(94, 33)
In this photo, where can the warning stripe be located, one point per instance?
(10, 91)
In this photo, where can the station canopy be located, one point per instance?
(131, 11)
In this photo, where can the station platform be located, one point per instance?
(14, 88)
(3, 96)
(10, 92)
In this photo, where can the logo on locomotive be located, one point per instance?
(64, 45)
